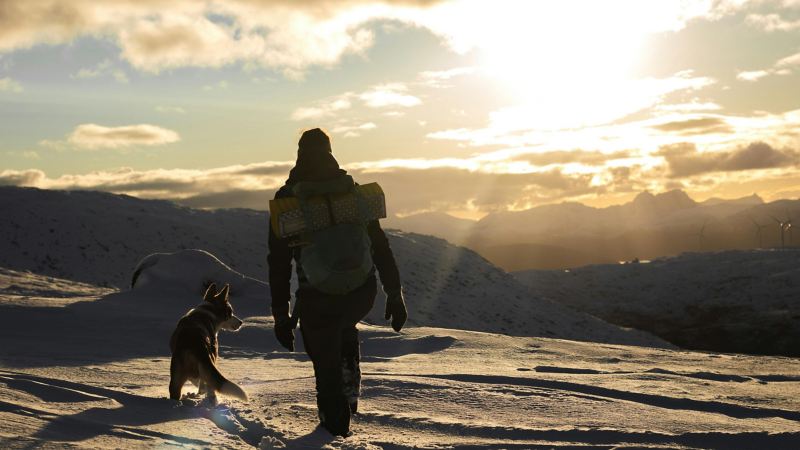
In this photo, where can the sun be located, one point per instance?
(567, 64)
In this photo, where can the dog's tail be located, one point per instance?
(216, 381)
(148, 261)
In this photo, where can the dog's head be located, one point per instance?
(222, 307)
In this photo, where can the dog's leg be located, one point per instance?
(211, 398)
(176, 380)
(202, 387)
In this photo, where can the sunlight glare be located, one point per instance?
(569, 64)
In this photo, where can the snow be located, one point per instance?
(735, 301)
(483, 363)
(101, 238)
(82, 367)
(190, 272)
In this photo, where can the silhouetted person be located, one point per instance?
(328, 321)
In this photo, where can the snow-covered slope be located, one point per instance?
(100, 238)
(734, 301)
(454, 287)
(80, 368)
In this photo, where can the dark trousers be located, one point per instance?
(328, 324)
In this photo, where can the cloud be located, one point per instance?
(439, 78)
(27, 154)
(752, 75)
(702, 125)
(222, 84)
(268, 169)
(92, 136)
(171, 184)
(103, 68)
(684, 160)
(428, 185)
(389, 95)
(559, 112)
(171, 41)
(693, 106)
(452, 188)
(353, 130)
(783, 66)
(9, 85)
(156, 35)
(584, 157)
(772, 22)
(789, 61)
(479, 186)
(31, 177)
(324, 108)
(237, 198)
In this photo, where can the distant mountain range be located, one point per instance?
(572, 234)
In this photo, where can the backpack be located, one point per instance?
(336, 259)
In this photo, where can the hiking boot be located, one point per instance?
(334, 414)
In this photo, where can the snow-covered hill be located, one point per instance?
(733, 301)
(85, 367)
(99, 238)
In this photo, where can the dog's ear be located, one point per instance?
(210, 292)
(223, 294)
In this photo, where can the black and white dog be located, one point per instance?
(195, 348)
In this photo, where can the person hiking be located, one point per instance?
(328, 320)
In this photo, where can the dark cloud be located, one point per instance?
(149, 185)
(21, 178)
(626, 179)
(257, 199)
(684, 160)
(23, 23)
(268, 169)
(705, 125)
(407, 189)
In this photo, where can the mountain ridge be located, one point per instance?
(571, 234)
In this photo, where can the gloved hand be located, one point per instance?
(396, 309)
(284, 331)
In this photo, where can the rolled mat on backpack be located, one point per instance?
(288, 218)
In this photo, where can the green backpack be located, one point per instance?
(338, 259)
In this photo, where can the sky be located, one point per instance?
(466, 107)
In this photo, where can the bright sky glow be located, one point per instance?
(489, 105)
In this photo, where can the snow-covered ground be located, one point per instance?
(84, 366)
(100, 238)
(734, 301)
(84, 359)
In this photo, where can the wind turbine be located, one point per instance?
(783, 226)
(759, 227)
(789, 226)
(701, 236)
